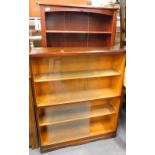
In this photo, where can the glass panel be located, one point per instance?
(73, 121)
(77, 129)
(76, 111)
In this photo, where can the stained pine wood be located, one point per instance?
(77, 26)
(43, 27)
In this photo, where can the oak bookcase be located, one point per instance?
(77, 94)
(77, 26)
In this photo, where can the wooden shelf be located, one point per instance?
(75, 75)
(74, 51)
(73, 97)
(72, 115)
(75, 132)
(85, 32)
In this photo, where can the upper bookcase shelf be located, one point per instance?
(85, 32)
(75, 26)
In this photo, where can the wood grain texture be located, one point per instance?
(74, 51)
(75, 75)
(77, 21)
(78, 90)
(43, 26)
(113, 28)
(89, 21)
(75, 63)
(32, 120)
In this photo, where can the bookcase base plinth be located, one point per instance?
(81, 141)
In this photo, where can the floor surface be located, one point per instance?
(114, 146)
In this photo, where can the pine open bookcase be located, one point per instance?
(77, 94)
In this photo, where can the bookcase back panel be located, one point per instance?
(98, 40)
(72, 85)
(78, 40)
(54, 21)
(98, 22)
(69, 64)
(78, 29)
(78, 21)
(67, 40)
(81, 63)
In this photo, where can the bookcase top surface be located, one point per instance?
(47, 2)
(73, 51)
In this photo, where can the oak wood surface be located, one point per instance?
(32, 120)
(77, 96)
(65, 64)
(77, 81)
(74, 75)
